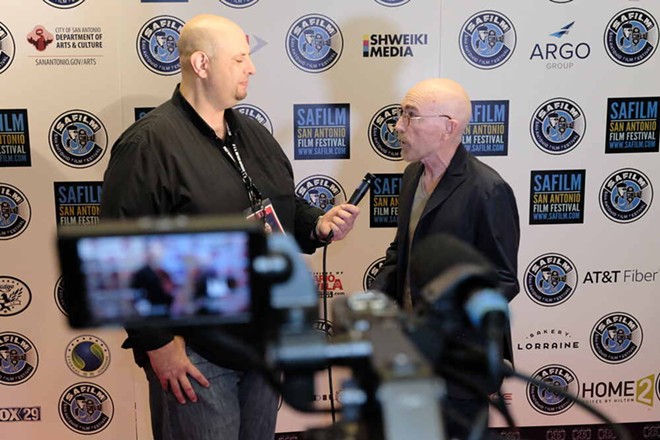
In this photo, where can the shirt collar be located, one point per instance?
(180, 101)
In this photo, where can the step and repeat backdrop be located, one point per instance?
(565, 106)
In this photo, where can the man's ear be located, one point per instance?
(199, 62)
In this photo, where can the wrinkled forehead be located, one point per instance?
(423, 99)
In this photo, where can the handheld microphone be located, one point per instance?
(357, 195)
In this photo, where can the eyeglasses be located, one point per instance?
(407, 116)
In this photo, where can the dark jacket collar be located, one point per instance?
(180, 102)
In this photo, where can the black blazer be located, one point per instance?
(472, 203)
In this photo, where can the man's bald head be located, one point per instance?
(449, 96)
(206, 33)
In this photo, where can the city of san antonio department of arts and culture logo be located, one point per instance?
(314, 43)
(78, 138)
(631, 37)
(547, 401)
(616, 338)
(626, 195)
(558, 126)
(487, 39)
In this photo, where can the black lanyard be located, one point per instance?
(235, 159)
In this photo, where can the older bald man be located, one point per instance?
(195, 155)
(447, 190)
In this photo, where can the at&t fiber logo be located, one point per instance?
(157, 45)
(631, 37)
(314, 43)
(487, 39)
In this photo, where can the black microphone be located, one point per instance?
(357, 195)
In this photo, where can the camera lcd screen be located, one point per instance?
(159, 278)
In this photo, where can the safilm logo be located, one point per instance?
(157, 45)
(487, 134)
(321, 191)
(616, 338)
(371, 272)
(86, 408)
(631, 37)
(550, 279)
(59, 296)
(77, 203)
(15, 296)
(632, 125)
(626, 195)
(314, 43)
(384, 200)
(487, 39)
(557, 197)
(392, 3)
(239, 4)
(15, 212)
(548, 340)
(322, 131)
(558, 126)
(558, 53)
(78, 138)
(254, 112)
(382, 133)
(7, 48)
(14, 138)
(18, 358)
(392, 45)
(547, 401)
(64, 4)
(87, 356)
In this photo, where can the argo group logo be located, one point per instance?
(382, 134)
(239, 4)
(64, 4)
(157, 45)
(547, 401)
(631, 37)
(370, 273)
(86, 408)
(557, 126)
(559, 53)
(632, 125)
(321, 191)
(15, 212)
(15, 296)
(616, 338)
(487, 39)
(7, 48)
(87, 356)
(18, 358)
(78, 138)
(550, 279)
(626, 195)
(314, 43)
(254, 112)
(487, 134)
